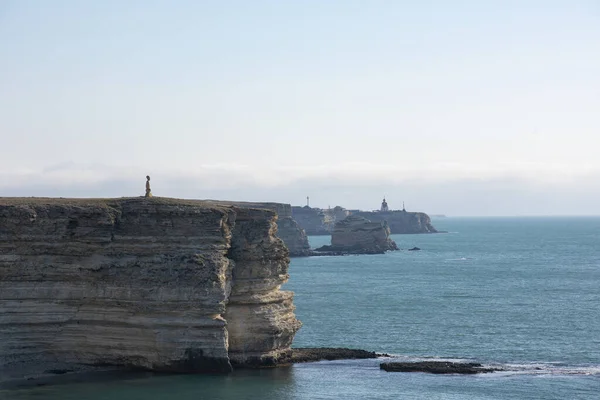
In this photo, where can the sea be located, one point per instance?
(521, 294)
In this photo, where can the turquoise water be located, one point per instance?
(521, 293)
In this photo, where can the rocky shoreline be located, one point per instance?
(56, 374)
(311, 354)
(53, 374)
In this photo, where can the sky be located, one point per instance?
(454, 107)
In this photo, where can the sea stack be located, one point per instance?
(358, 235)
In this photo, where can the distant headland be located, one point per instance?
(318, 221)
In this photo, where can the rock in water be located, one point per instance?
(437, 367)
(300, 355)
(154, 283)
(358, 235)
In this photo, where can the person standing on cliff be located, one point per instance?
(148, 191)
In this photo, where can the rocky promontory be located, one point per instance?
(401, 221)
(316, 221)
(358, 235)
(152, 283)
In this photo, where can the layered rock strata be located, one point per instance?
(314, 221)
(162, 284)
(288, 229)
(358, 235)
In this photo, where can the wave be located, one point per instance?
(549, 368)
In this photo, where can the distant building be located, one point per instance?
(384, 206)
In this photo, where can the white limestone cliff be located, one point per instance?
(162, 284)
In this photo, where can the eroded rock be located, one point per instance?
(154, 283)
(358, 235)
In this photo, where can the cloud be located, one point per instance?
(227, 175)
(441, 188)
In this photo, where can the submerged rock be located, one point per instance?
(358, 235)
(414, 249)
(437, 367)
(330, 353)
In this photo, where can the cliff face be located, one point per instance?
(288, 229)
(293, 236)
(313, 220)
(261, 322)
(401, 221)
(163, 284)
(358, 235)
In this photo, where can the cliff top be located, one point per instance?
(71, 201)
(14, 201)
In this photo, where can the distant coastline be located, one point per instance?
(317, 221)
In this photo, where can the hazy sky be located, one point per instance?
(457, 107)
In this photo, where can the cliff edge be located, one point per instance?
(154, 283)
